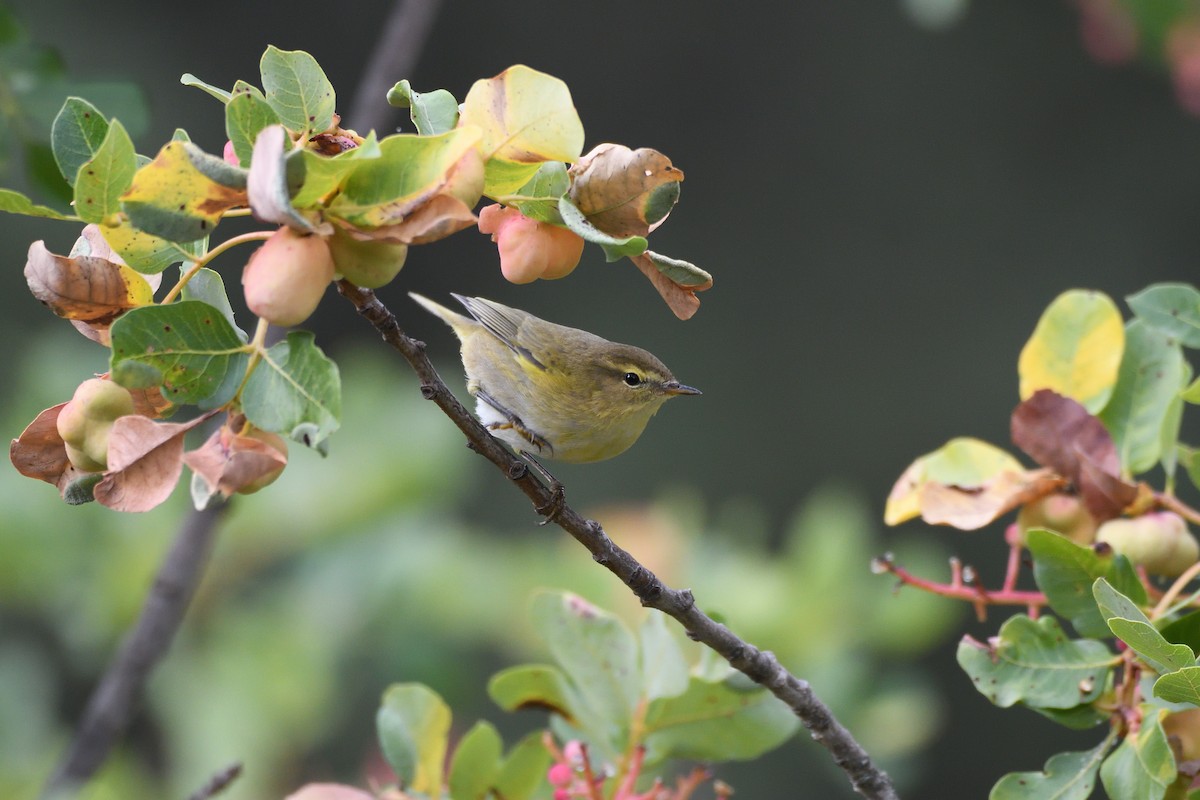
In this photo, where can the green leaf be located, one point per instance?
(413, 724)
(535, 686)
(297, 89)
(1143, 766)
(102, 179)
(295, 391)
(17, 203)
(384, 190)
(245, 116)
(1151, 375)
(1065, 572)
(1077, 719)
(1171, 428)
(1173, 308)
(538, 199)
(1075, 349)
(716, 722)
(664, 669)
(476, 763)
(1185, 630)
(1181, 686)
(1032, 662)
(1134, 628)
(599, 654)
(615, 248)
(187, 347)
(324, 174)
(76, 136)
(188, 79)
(1067, 776)
(524, 769)
(432, 112)
(683, 273)
(206, 286)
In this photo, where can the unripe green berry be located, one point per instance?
(369, 264)
(86, 422)
(1159, 541)
(1061, 513)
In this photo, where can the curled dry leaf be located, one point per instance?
(681, 299)
(625, 192)
(1059, 433)
(39, 452)
(230, 463)
(970, 508)
(434, 217)
(92, 290)
(145, 460)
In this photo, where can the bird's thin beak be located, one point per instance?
(675, 387)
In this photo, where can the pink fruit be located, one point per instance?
(286, 277)
(530, 249)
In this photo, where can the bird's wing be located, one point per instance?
(502, 322)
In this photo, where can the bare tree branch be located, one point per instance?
(394, 57)
(114, 700)
(761, 666)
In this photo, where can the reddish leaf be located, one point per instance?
(229, 463)
(145, 460)
(681, 300)
(1058, 432)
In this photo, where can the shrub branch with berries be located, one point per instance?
(340, 205)
(1102, 403)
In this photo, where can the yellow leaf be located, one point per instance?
(527, 117)
(1075, 350)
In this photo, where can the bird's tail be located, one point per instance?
(458, 322)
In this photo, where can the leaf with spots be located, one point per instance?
(1034, 663)
(102, 179)
(295, 391)
(1173, 308)
(297, 90)
(188, 348)
(181, 195)
(1065, 572)
(76, 135)
(245, 116)
(1066, 776)
(625, 192)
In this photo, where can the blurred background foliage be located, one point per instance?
(888, 194)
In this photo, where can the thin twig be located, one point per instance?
(218, 782)
(761, 666)
(394, 57)
(112, 704)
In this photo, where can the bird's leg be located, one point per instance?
(514, 423)
(558, 494)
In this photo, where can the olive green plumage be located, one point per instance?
(553, 391)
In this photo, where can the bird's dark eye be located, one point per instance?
(632, 379)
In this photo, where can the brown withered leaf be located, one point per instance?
(145, 460)
(624, 192)
(90, 289)
(681, 300)
(971, 507)
(1059, 433)
(1104, 494)
(149, 402)
(39, 452)
(228, 463)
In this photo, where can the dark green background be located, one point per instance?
(885, 209)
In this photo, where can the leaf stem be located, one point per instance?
(1173, 503)
(1176, 588)
(204, 260)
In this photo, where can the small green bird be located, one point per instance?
(553, 391)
